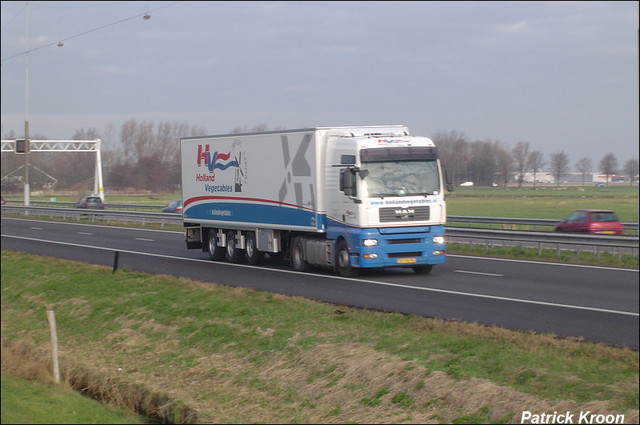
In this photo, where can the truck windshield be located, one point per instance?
(401, 178)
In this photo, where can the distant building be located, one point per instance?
(547, 177)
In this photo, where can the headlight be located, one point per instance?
(438, 240)
(369, 242)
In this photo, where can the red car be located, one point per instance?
(591, 221)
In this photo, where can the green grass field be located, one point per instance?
(543, 203)
(188, 351)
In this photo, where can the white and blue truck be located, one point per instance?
(345, 198)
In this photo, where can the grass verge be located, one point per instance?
(185, 351)
(28, 402)
(575, 256)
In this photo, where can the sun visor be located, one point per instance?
(397, 153)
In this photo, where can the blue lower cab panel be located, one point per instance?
(406, 251)
(397, 247)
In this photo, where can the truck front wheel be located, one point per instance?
(343, 264)
(216, 253)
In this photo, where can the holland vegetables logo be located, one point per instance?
(232, 161)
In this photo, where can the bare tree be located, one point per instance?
(111, 151)
(454, 154)
(483, 163)
(536, 162)
(505, 165)
(631, 169)
(608, 165)
(127, 137)
(521, 161)
(165, 141)
(143, 140)
(583, 165)
(559, 164)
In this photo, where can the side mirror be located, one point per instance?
(447, 179)
(346, 183)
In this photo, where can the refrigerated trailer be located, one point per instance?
(344, 198)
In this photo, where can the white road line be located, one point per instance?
(372, 282)
(37, 228)
(480, 273)
(84, 233)
(145, 240)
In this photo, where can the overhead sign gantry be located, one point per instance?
(19, 146)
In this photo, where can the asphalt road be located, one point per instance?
(594, 303)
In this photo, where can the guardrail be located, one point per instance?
(509, 221)
(488, 237)
(109, 206)
(90, 214)
(618, 244)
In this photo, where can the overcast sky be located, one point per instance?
(562, 76)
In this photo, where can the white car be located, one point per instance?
(466, 184)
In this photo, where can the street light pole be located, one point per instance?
(26, 110)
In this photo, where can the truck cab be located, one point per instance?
(385, 202)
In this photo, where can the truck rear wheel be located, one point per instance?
(233, 254)
(343, 263)
(216, 253)
(297, 255)
(251, 252)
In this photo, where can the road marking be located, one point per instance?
(145, 240)
(480, 273)
(84, 233)
(37, 228)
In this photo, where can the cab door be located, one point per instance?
(342, 188)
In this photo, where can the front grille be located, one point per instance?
(404, 214)
(404, 254)
(402, 241)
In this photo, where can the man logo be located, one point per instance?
(405, 213)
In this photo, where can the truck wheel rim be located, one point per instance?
(343, 259)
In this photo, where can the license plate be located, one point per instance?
(406, 260)
(608, 232)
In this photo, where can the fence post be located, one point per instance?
(54, 345)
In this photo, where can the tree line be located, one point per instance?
(488, 162)
(146, 156)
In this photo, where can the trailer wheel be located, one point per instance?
(216, 253)
(251, 252)
(297, 255)
(233, 254)
(343, 264)
(426, 269)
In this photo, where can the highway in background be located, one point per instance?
(594, 303)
